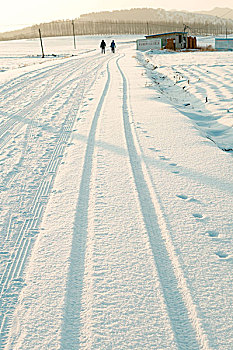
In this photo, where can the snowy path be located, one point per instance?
(116, 214)
(34, 140)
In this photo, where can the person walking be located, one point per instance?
(113, 46)
(102, 46)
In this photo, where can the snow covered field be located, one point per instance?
(116, 192)
(199, 85)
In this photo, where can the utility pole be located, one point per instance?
(74, 34)
(41, 43)
(186, 27)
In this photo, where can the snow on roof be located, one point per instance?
(153, 35)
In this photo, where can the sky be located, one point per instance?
(20, 13)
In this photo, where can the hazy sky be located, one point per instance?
(27, 12)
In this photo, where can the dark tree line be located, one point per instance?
(65, 28)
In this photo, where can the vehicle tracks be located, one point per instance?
(14, 121)
(70, 332)
(21, 237)
(181, 309)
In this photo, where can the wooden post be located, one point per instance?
(74, 34)
(41, 44)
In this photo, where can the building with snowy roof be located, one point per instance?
(170, 40)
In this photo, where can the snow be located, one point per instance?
(203, 93)
(116, 192)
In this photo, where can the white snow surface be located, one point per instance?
(116, 192)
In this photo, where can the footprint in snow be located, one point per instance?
(182, 196)
(213, 234)
(164, 158)
(221, 254)
(153, 149)
(194, 200)
(197, 215)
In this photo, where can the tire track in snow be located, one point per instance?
(181, 310)
(68, 69)
(53, 89)
(16, 120)
(70, 332)
(12, 278)
(13, 93)
(42, 73)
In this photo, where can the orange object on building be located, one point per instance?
(170, 45)
(195, 42)
(191, 42)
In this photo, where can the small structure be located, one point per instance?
(171, 41)
(224, 44)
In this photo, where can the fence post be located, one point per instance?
(74, 34)
(41, 43)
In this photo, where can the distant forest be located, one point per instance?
(134, 21)
(65, 28)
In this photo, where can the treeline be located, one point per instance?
(65, 28)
